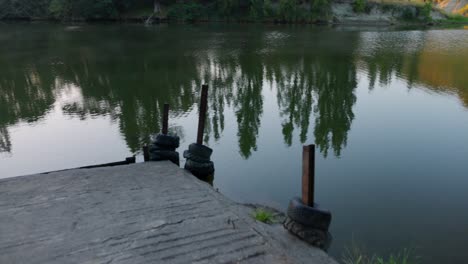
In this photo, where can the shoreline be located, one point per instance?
(141, 20)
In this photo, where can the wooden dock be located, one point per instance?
(151, 212)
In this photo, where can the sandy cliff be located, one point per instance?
(454, 6)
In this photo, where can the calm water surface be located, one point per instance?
(387, 109)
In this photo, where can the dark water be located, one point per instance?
(388, 111)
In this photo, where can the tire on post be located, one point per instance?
(167, 141)
(163, 147)
(200, 151)
(313, 217)
(199, 168)
(190, 156)
(316, 237)
(310, 223)
(198, 160)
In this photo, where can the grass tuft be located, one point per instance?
(356, 255)
(263, 216)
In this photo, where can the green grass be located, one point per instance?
(263, 216)
(457, 18)
(356, 255)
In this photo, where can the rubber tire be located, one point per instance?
(155, 148)
(313, 217)
(318, 238)
(192, 157)
(165, 155)
(167, 141)
(201, 151)
(199, 169)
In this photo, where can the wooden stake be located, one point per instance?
(165, 119)
(145, 153)
(202, 114)
(308, 175)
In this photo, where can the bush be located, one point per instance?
(386, 7)
(425, 12)
(257, 11)
(58, 9)
(268, 9)
(359, 6)
(188, 11)
(228, 7)
(88, 9)
(320, 9)
(408, 13)
(288, 10)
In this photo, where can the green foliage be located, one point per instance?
(228, 7)
(359, 6)
(88, 9)
(257, 11)
(320, 8)
(408, 13)
(386, 7)
(268, 9)
(457, 18)
(188, 11)
(67, 9)
(288, 10)
(425, 12)
(263, 216)
(58, 8)
(23, 8)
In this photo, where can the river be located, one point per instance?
(386, 108)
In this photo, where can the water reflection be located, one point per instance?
(390, 54)
(129, 74)
(321, 78)
(5, 143)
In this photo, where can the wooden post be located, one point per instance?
(145, 153)
(308, 175)
(202, 114)
(165, 119)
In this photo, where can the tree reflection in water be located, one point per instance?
(129, 74)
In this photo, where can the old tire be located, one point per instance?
(201, 151)
(198, 168)
(192, 157)
(156, 148)
(167, 141)
(312, 217)
(318, 238)
(164, 155)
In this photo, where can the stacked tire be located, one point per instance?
(163, 147)
(310, 223)
(198, 160)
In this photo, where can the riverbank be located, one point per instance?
(413, 12)
(138, 213)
